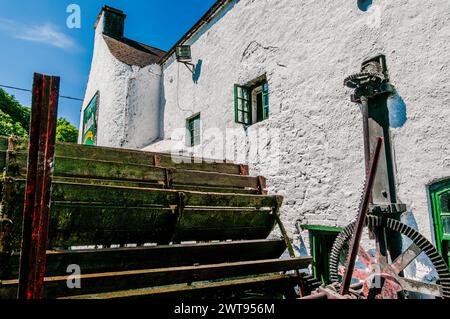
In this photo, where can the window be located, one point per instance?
(321, 242)
(193, 131)
(251, 103)
(90, 121)
(440, 200)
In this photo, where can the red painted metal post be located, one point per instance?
(36, 215)
(360, 223)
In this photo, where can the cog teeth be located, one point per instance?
(436, 259)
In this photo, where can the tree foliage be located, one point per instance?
(15, 120)
(66, 132)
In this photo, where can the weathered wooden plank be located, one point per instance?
(56, 287)
(105, 213)
(273, 283)
(185, 177)
(226, 190)
(135, 197)
(107, 182)
(121, 259)
(205, 224)
(75, 225)
(78, 225)
(99, 169)
(137, 157)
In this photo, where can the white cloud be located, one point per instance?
(47, 34)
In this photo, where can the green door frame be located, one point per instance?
(317, 234)
(442, 239)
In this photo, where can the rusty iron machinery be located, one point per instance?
(389, 274)
(379, 213)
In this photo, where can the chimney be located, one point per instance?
(113, 22)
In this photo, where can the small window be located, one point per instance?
(194, 131)
(251, 103)
(321, 242)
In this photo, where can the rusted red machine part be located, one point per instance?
(36, 214)
(360, 223)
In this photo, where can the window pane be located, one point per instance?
(247, 106)
(446, 225)
(445, 203)
(246, 118)
(239, 92)
(246, 94)
(265, 87)
(194, 128)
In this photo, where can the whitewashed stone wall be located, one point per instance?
(306, 49)
(129, 114)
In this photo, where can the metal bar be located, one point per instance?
(37, 195)
(360, 223)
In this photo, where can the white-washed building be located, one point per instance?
(288, 60)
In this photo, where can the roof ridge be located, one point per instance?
(132, 52)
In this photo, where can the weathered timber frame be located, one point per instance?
(36, 214)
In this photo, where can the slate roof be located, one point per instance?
(133, 53)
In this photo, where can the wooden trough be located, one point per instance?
(149, 225)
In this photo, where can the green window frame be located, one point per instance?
(440, 204)
(243, 103)
(321, 242)
(194, 131)
(265, 100)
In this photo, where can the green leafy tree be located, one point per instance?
(66, 132)
(9, 127)
(15, 120)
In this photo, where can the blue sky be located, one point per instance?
(34, 37)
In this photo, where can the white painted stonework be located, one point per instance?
(313, 152)
(129, 98)
(306, 49)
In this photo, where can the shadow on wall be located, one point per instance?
(197, 71)
(397, 111)
(364, 5)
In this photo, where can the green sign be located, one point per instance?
(90, 122)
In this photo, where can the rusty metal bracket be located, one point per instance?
(360, 223)
(157, 160)
(262, 185)
(36, 214)
(244, 170)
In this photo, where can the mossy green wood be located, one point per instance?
(99, 169)
(129, 156)
(104, 215)
(93, 261)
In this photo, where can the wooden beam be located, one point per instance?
(270, 282)
(137, 157)
(56, 287)
(38, 188)
(121, 259)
